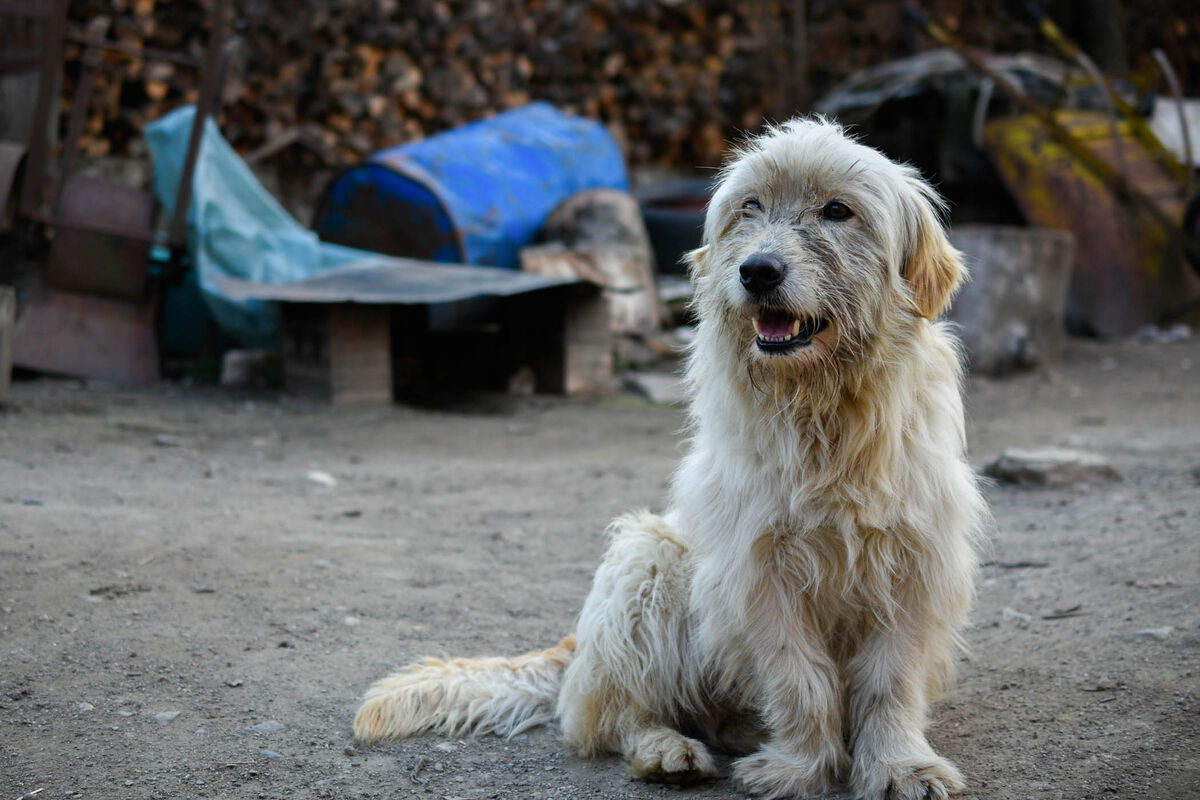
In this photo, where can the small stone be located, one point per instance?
(350, 751)
(1152, 583)
(269, 754)
(1017, 616)
(660, 388)
(233, 684)
(124, 713)
(167, 440)
(321, 478)
(86, 707)
(1158, 634)
(1052, 467)
(244, 369)
(129, 783)
(1152, 334)
(323, 563)
(444, 747)
(267, 727)
(165, 717)
(351, 620)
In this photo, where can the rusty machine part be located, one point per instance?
(96, 315)
(1137, 124)
(1059, 165)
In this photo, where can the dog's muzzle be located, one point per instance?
(778, 329)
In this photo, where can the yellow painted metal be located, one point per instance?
(1128, 265)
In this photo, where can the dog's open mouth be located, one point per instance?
(780, 331)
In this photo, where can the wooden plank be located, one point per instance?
(360, 354)
(339, 353)
(587, 346)
(574, 345)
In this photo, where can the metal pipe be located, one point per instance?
(1177, 92)
(209, 86)
(96, 31)
(1137, 125)
(1107, 93)
(35, 166)
(148, 53)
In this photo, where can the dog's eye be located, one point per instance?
(836, 211)
(751, 205)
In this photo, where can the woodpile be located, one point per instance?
(672, 80)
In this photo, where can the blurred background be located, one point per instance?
(1062, 134)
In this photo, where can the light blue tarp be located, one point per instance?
(236, 229)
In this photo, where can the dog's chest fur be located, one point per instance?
(812, 519)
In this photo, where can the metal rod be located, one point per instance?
(1177, 92)
(148, 53)
(96, 31)
(209, 87)
(24, 9)
(1137, 125)
(14, 65)
(1110, 107)
(35, 166)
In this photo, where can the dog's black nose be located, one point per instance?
(761, 273)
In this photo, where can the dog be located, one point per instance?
(802, 600)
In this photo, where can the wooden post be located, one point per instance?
(574, 345)
(338, 352)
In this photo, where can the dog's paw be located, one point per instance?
(926, 779)
(770, 774)
(666, 756)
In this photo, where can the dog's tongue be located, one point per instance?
(775, 324)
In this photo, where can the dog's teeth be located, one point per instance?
(795, 327)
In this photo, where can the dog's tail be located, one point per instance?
(503, 696)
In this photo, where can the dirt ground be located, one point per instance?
(167, 553)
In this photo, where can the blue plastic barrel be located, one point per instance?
(474, 195)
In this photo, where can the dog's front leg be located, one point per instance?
(887, 717)
(800, 704)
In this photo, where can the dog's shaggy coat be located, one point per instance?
(802, 599)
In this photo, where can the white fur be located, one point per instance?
(803, 597)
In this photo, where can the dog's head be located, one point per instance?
(815, 246)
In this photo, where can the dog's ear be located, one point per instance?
(932, 266)
(697, 261)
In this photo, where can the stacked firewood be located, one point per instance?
(671, 79)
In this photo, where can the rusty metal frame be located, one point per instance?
(33, 201)
(95, 314)
(35, 164)
(1111, 176)
(1116, 103)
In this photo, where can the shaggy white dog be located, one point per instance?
(802, 599)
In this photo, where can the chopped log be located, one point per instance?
(622, 272)
(672, 80)
(598, 236)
